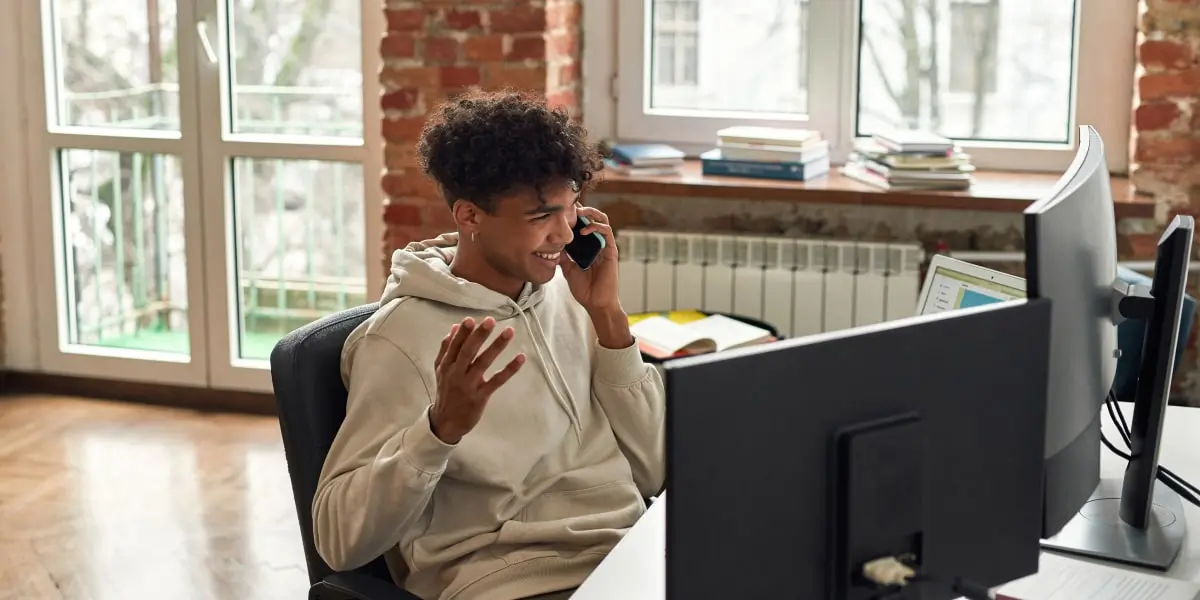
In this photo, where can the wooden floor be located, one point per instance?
(108, 501)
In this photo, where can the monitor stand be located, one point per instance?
(1098, 531)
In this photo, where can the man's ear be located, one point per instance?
(467, 216)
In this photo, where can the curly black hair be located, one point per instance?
(483, 145)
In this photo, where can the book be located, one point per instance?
(662, 338)
(767, 136)
(643, 171)
(912, 140)
(713, 163)
(767, 153)
(644, 155)
(1064, 578)
(860, 172)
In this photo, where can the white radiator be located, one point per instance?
(800, 286)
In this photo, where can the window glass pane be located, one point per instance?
(300, 243)
(296, 67)
(126, 273)
(984, 69)
(117, 64)
(729, 55)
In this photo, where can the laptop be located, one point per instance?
(951, 284)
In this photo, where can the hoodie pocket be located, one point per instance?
(602, 504)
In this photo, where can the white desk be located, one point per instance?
(636, 569)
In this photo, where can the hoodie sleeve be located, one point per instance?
(634, 399)
(384, 462)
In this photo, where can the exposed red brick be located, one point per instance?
(416, 77)
(400, 156)
(403, 130)
(402, 213)
(401, 99)
(1166, 149)
(1155, 86)
(564, 99)
(398, 45)
(440, 50)
(456, 77)
(406, 19)
(436, 215)
(411, 183)
(1155, 115)
(462, 19)
(484, 48)
(562, 14)
(528, 47)
(1164, 54)
(564, 44)
(500, 75)
(568, 74)
(518, 19)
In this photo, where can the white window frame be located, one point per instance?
(616, 98)
(32, 312)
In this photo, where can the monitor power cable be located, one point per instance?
(890, 574)
(1175, 483)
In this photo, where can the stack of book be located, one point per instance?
(644, 159)
(767, 152)
(909, 160)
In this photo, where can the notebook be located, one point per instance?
(661, 337)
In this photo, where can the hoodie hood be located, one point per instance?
(422, 270)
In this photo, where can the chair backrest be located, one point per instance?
(311, 401)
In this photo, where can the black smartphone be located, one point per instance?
(584, 249)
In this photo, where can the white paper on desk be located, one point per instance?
(1062, 578)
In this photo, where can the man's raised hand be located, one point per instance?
(462, 389)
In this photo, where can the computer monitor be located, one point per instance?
(1071, 259)
(791, 464)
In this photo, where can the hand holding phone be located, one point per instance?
(584, 248)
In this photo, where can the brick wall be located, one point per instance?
(435, 49)
(1165, 141)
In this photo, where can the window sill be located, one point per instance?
(994, 191)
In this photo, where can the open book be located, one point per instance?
(663, 338)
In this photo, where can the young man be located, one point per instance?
(502, 429)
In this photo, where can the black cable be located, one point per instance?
(1165, 475)
(1174, 482)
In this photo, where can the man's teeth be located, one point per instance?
(546, 256)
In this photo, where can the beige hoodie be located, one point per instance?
(533, 498)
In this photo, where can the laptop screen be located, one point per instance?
(952, 289)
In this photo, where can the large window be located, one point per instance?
(1011, 80)
(196, 179)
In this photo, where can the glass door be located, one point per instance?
(115, 189)
(283, 161)
(198, 181)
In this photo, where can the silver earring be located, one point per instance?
(473, 234)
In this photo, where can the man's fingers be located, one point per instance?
(470, 347)
(593, 214)
(501, 377)
(459, 335)
(437, 362)
(489, 354)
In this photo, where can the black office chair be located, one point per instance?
(311, 400)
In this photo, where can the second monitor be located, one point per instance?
(795, 463)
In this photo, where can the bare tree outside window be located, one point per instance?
(987, 69)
